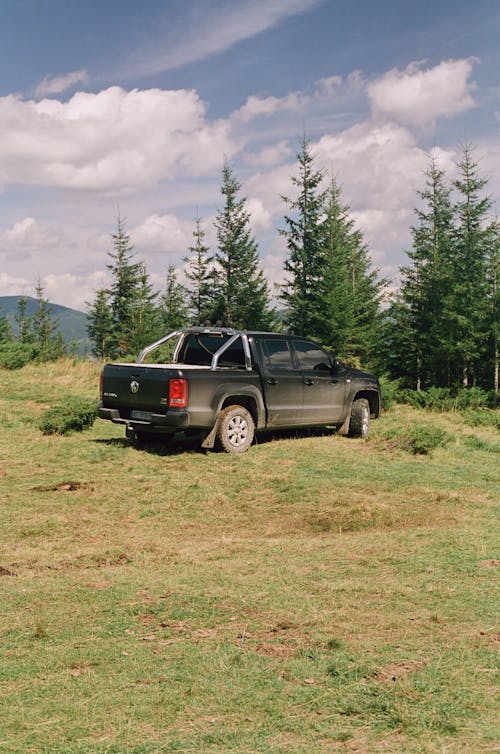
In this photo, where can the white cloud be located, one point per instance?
(163, 233)
(418, 96)
(14, 285)
(212, 28)
(29, 235)
(260, 217)
(59, 84)
(114, 139)
(379, 168)
(267, 106)
(269, 155)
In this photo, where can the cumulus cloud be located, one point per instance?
(418, 96)
(29, 235)
(13, 285)
(75, 291)
(114, 139)
(269, 155)
(163, 233)
(266, 106)
(59, 84)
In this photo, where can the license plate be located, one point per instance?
(144, 416)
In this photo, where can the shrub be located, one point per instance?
(75, 415)
(481, 417)
(444, 398)
(420, 439)
(16, 355)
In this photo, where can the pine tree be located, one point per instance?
(351, 291)
(200, 273)
(303, 290)
(5, 330)
(493, 282)
(241, 296)
(425, 285)
(173, 308)
(100, 325)
(146, 321)
(47, 339)
(123, 291)
(24, 321)
(468, 299)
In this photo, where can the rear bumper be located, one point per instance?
(173, 419)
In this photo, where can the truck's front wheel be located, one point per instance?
(235, 429)
(360, 418)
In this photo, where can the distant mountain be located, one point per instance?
(72, 323)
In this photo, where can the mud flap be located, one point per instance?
(344, 429)
(209, 441)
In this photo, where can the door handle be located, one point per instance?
(272, 381)
(308, 381)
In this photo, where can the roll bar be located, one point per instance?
(181, 334)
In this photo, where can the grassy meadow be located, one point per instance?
(317, 594)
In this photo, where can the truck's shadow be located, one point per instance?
(191, 443)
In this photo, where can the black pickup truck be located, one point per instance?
(227, 383)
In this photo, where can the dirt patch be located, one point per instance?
(492, 563)
(66, 486)
(399, 670)
(6, 572)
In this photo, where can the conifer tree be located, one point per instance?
(201, 276)
(468, 301)
(123, 291)
(493, 282)
(146, 320)
(303, 290)
(46, 337)
(24, 321)
(351, 291)
(173, 308)
(241, 296)
(100, 325)
(425, 286)
(5, 330)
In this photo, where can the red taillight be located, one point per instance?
(178, 393)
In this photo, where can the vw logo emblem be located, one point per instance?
(134, 386)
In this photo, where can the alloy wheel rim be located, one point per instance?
(237, 430)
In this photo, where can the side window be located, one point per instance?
(312, 356)
(277, 354)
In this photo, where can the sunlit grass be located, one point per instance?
(315, 594)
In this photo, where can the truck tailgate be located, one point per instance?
(137, 387)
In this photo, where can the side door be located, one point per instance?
(324, 389)
(282, 383)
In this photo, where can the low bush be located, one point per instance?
(16, 355)
(75, 415)
(444, 399)
(481, 417)
(420, 439)
(478, 443)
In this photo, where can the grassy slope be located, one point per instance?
(317, 594)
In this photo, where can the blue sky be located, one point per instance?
(135, 104)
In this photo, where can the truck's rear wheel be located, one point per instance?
(360, 418)
(235, 429)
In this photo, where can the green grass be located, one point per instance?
(317, 594)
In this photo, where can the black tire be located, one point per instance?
(359, 422)
(235, 429)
